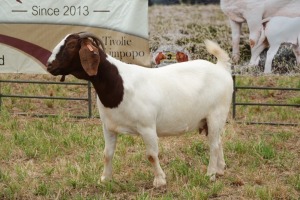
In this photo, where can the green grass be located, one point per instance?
(60, 157)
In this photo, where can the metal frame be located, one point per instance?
(88, 98)
(235, 104)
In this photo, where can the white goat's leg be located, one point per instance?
(270, 55)
(221, 161)
(255, 53)
(110, 146)
(219, 128)
(296, 50)
(235, 34)
(151, 142)
(214, 131)
(254, 30)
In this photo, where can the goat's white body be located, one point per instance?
(278, 30)
(169, 101)
(173, 99)
(252, 12)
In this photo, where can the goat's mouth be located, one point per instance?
(55, 71)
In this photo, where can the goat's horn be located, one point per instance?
(97, 40)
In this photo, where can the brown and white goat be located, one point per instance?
(165, 101)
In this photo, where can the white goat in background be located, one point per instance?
(253, 12)
(277, 30)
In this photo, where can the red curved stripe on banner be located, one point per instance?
(34, 50)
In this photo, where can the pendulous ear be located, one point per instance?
(89, 57)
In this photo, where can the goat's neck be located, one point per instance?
(108, 84)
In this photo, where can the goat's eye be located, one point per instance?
(71, 45)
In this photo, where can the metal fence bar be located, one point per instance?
(43, 97)
(235, 103)
(268, 123)
(266, 88)
(51, 115)
(88, 98)
(43, 82)
(234, 99)
(267, 104)
(0, 96)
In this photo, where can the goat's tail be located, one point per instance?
(216, 50)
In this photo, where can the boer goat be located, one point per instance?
(151, 102)
(277, 30)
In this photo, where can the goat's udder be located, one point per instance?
(203, 127)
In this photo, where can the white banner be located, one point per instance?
(29, 30)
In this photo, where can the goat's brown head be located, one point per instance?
(77, 54)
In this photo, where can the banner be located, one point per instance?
(30, 29)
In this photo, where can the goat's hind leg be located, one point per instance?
(270, 55)
(221, 161)
(296, 50)
(216, 156)
(255, 53)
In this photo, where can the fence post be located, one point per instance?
(0, 95)
(90, 98)
(234, 98)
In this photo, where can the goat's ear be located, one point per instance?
(89, 57)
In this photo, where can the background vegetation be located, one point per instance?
(188, 26)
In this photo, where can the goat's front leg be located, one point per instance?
(235, 34)
(151, 142)
(110, 146)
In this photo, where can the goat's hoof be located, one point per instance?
(221, 169)
(235, 58)
(159, 182)
(212, 177)
(105, 179)
(220, 173)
